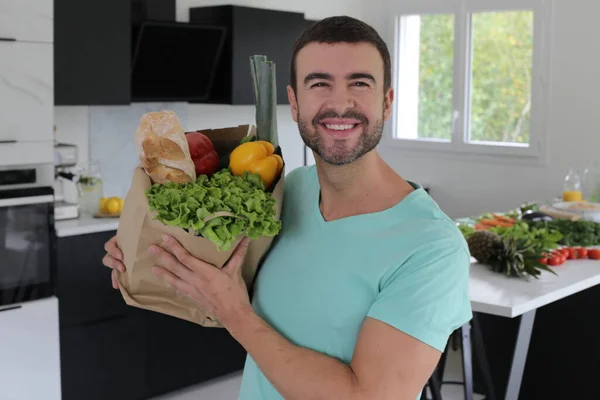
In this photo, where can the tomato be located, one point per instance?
(556, 260)
(573, 254)
(582, 252)
(594, 254)
(543, 260)
(205, 158)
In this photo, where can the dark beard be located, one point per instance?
(340, 154)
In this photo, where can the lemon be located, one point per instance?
(113, 205)
(103, 204)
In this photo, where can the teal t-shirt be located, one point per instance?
(407, 266)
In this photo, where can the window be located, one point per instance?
(470, 75)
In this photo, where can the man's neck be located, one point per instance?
(365, 186)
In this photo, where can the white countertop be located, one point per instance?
(493, 293)
(85, 224)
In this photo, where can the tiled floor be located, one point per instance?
(227, 388)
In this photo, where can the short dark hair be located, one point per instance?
(342, 29)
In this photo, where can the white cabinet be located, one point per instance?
(26, 91)
(27, 20)
(30, 351)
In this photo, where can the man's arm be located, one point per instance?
(387, 363)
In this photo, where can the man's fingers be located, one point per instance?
(167, 261)
(113, 263)
(174, 281)
(113, 277)
(234, 265)
(112, 248)
(185, 257)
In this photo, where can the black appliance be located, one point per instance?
(175, 61)
(27, 234)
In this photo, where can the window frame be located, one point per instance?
(540, 91)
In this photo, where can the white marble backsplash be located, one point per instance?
(112, 130)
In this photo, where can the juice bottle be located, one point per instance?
(572, 187)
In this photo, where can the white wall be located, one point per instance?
(464, 186)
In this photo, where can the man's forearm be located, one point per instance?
(296, 372)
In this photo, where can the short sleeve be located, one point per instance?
(427, 297)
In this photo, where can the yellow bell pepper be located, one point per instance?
(257, 157)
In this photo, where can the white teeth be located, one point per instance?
(339, 127)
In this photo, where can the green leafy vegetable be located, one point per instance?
(466, 230)
(542, 237)
(189, 205)
(575, 233)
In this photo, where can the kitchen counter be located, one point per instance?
(85, 224)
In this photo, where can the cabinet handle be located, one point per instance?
(10, 308)
(8, 141)
(6, 39)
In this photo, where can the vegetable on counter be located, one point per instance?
(256, 157)
(580, 233)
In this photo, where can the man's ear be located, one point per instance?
(388, 100)
(293, 102)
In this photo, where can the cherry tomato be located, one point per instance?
(582, 252)
(573, 254)
(565, 250)
(556, 260)
(543, 260)
(594, 254)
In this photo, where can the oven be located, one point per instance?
(27, 234)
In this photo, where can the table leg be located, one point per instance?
(467, 359)
(520, 356)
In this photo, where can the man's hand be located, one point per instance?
(113, 260)
(222, 292)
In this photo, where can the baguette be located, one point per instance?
(163, 149)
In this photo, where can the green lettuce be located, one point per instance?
(187, 205)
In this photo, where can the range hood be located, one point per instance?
(173, 61)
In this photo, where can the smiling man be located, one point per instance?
(368, 277)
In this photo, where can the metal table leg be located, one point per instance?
(520, 355)
(467, 360)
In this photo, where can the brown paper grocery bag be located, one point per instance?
(138, 230)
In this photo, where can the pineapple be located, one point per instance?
(483, 245)
(506, 255)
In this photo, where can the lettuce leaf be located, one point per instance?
(187, 205)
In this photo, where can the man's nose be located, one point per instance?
(341, 99)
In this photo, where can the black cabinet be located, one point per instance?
(92, 52)
(250, 31)
(84, 288)
(110, 350)
(181, 353)
(104, 360)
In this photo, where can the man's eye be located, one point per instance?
(319, 84)
(363, 84)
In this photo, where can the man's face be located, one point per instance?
(340, 104)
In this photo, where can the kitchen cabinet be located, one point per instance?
(250, 31)
(92, 44)
(26, 20)
(29, 351)
(182, 353)
(26, 91)
(110, 350)
(104, 360)
(84, 287)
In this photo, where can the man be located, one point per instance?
(368, 277)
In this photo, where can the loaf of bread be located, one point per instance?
(163, 149)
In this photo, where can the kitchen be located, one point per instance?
(71, 106)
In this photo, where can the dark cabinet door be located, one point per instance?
(104, 360)
(92, 52)
(181, 353)
(84, 287)
(251, 31)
